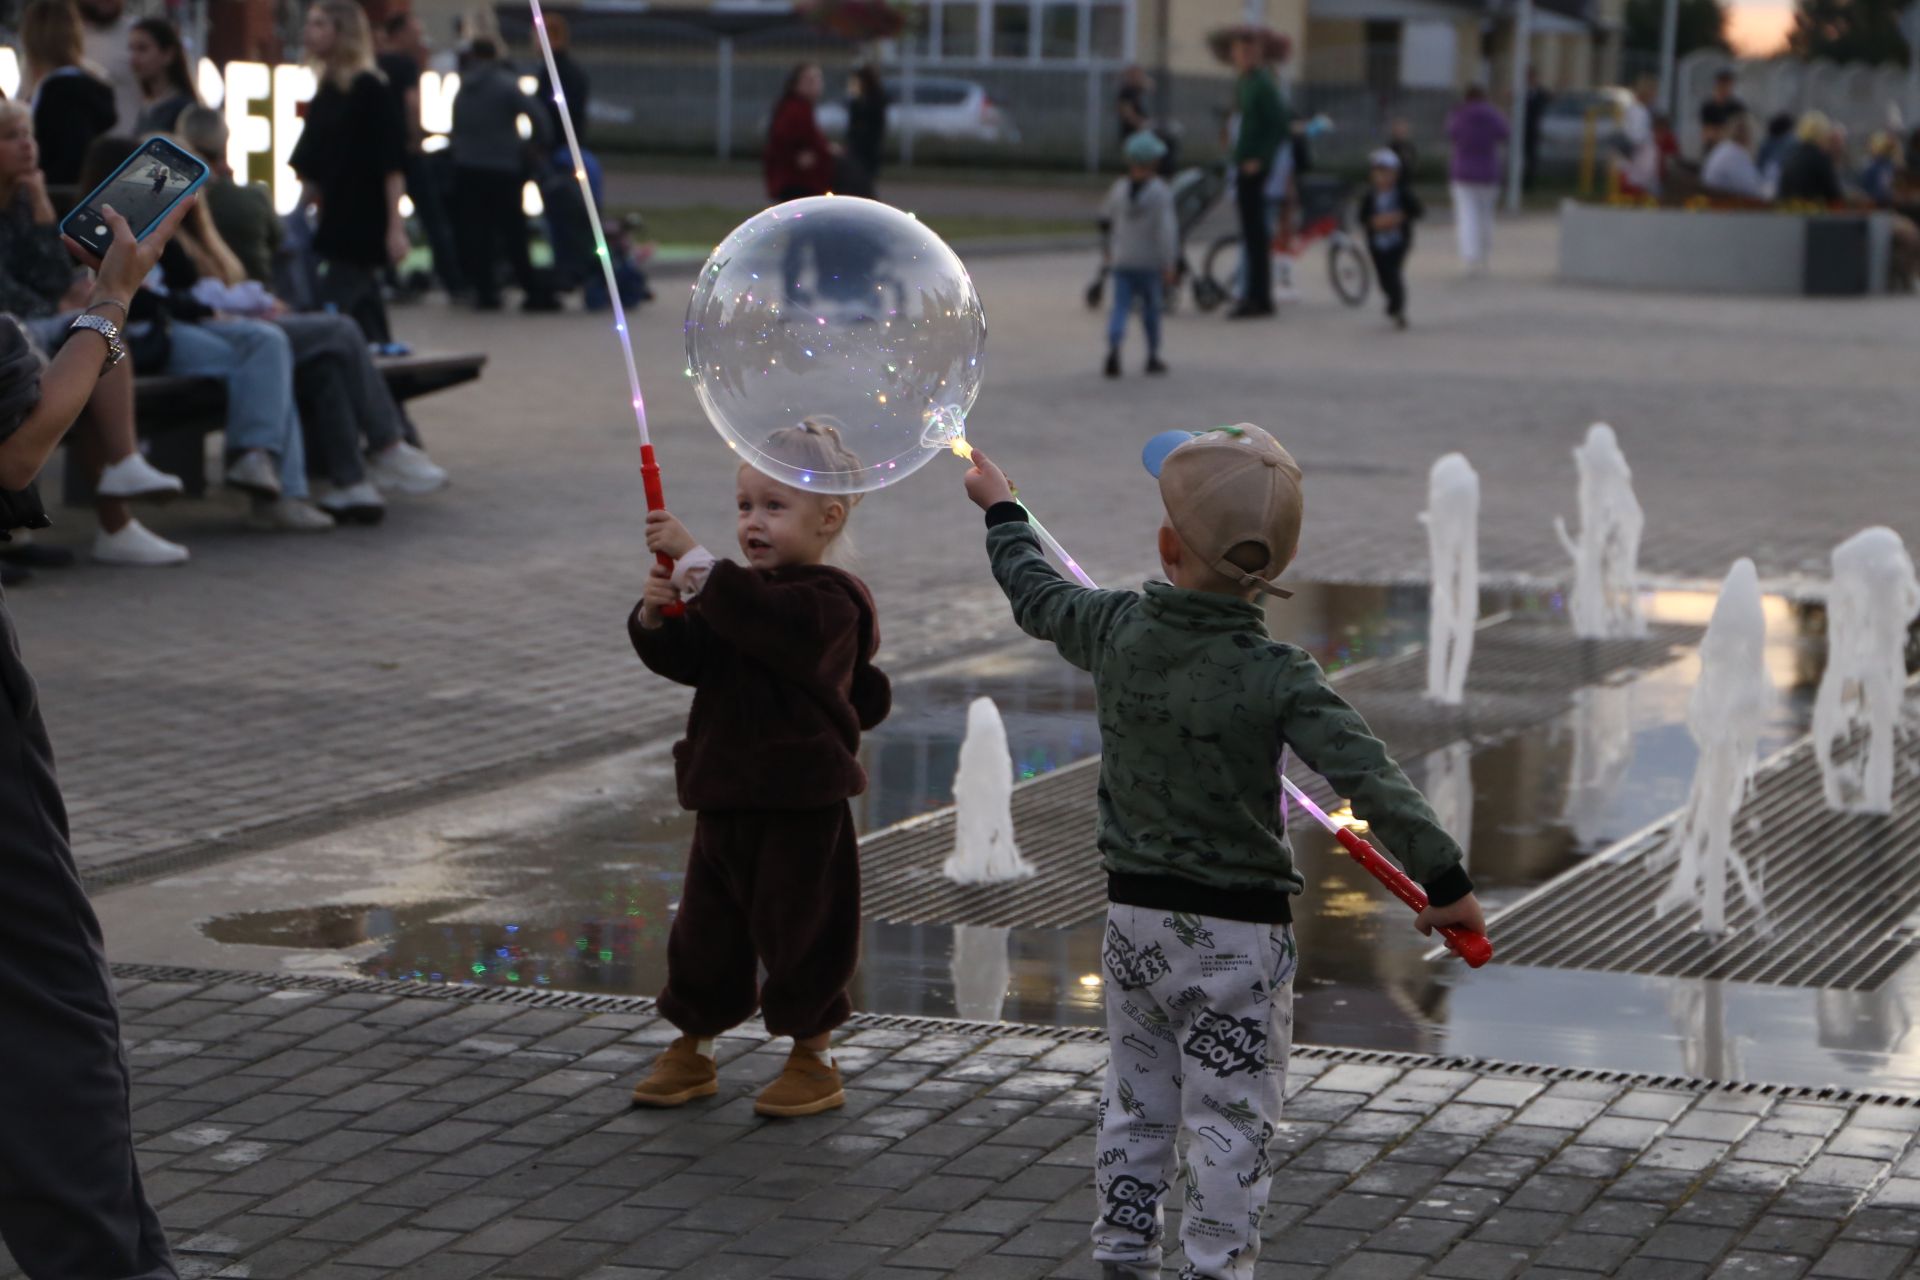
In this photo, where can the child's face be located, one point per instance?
(1141, 172)
(1383, 177)
(780, 525)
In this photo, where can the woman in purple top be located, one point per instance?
(1476, 129)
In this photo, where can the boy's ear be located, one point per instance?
(1170, 548)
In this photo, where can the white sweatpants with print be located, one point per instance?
(1199, 1024)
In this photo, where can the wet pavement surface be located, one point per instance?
(580, 896)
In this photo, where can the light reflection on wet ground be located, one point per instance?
(587, 906)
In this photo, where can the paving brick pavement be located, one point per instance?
(292, 1127)
(279, 685)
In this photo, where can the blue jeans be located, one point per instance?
(1130, 283)
(255, 360)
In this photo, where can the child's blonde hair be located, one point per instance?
(815, 444)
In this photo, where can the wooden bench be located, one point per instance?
(175, 415)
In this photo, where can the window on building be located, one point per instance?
(1060, 30)
(1107, 31)
(959, 30)
(1012, 29)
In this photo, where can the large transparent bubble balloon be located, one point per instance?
(843, 310)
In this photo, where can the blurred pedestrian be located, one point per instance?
(402, 58)
(1809, 175)
(71, 104)
(1263, 129)
(1388, 211)
(159, 63)
(1773, 151)
(866, 128)
(490, 175)
(1133, 103)
(1718, 109)
(71, 1200)
(798, 159)
(1539, 99)
(105, 28)
(1637, 164)
(1729, 169)
(1882, 168)
(1400, 142)
(1477, 129)
(574, 86)
(1143, 247)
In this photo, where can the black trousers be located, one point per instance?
(1250, 195)
(71, 1202)
(425, 184)
(353, 289)
(1391, 265)
(491, 223)
(776, 888)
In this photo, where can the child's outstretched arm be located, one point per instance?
(668, 646)
(1334, 741)
(1045, 605)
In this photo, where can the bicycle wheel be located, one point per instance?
(1220, 274)
(1347, 266)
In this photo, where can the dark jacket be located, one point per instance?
(71, 109)
(1809, 175)
(1264, 123)
(867, 130)
(1410, 205)
(486, 114)
(781, 664)
(35, 268)
(795, 133)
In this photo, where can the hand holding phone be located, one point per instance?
(152, 182)
(129, 260)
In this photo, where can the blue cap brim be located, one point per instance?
(1156, 450)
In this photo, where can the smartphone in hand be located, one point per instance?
(156, 177)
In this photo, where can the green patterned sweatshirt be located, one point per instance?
(1196, 702)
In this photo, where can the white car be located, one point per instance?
(942, 107)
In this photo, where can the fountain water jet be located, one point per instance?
(1452, 518)
(981, 971)
(1725, 714)
(1872, 598)
(983, 844)
(1605, 601)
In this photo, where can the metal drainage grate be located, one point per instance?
(1840, 892)
(1523, 672)
(590, 1003)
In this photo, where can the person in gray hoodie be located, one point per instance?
(1143, 247)
(489, 171)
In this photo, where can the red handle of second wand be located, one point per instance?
(1472, 947)
(657, 501)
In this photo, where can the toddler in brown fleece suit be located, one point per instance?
(779, 651)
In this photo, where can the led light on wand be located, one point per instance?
(649, 468)
(956, 440)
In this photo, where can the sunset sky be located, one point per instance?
(1759, 27)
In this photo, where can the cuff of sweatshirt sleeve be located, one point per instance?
(1006, 513)
(1449, 886)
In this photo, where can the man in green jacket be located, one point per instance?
(1263, 127)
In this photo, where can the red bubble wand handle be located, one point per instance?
(1472, 947)
(649, 469)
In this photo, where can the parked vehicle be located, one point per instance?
(1563, 130)
(942, 107)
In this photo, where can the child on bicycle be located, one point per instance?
(1388, 211)
(1143, 247)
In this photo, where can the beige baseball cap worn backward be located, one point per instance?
(1232, 486)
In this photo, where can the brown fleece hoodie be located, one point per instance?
(781, 663)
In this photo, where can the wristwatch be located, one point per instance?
(116, 349)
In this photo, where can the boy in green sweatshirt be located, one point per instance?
(1196, 705)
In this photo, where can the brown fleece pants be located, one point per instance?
(780, 888)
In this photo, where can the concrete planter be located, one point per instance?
(1731, 251)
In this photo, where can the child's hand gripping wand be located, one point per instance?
(649, 468)
(1472, 947)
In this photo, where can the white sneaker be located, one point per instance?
(356, 504)
(291, 515)
(405, 469)
(134, 477)
(254, 472)
(136, 544)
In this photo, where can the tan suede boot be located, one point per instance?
(679, 1075)
(808, 1085)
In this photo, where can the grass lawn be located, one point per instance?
(694, 229)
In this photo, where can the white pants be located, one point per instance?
(1473, 204)
(1199, 1024)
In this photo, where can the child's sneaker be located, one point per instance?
(679, 1075)
(1113, 364)
(1154, 365)
(808, 1085)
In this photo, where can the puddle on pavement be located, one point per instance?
(587, 907)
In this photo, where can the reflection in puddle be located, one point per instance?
(588, 906)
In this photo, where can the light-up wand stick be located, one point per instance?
(649, 468)
(1474, 948)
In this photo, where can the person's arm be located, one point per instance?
(38, 273)
(795, 627)
(1169, 235)
(670, 647)
(70, 378)
(1074, 619)
(1330, 738)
